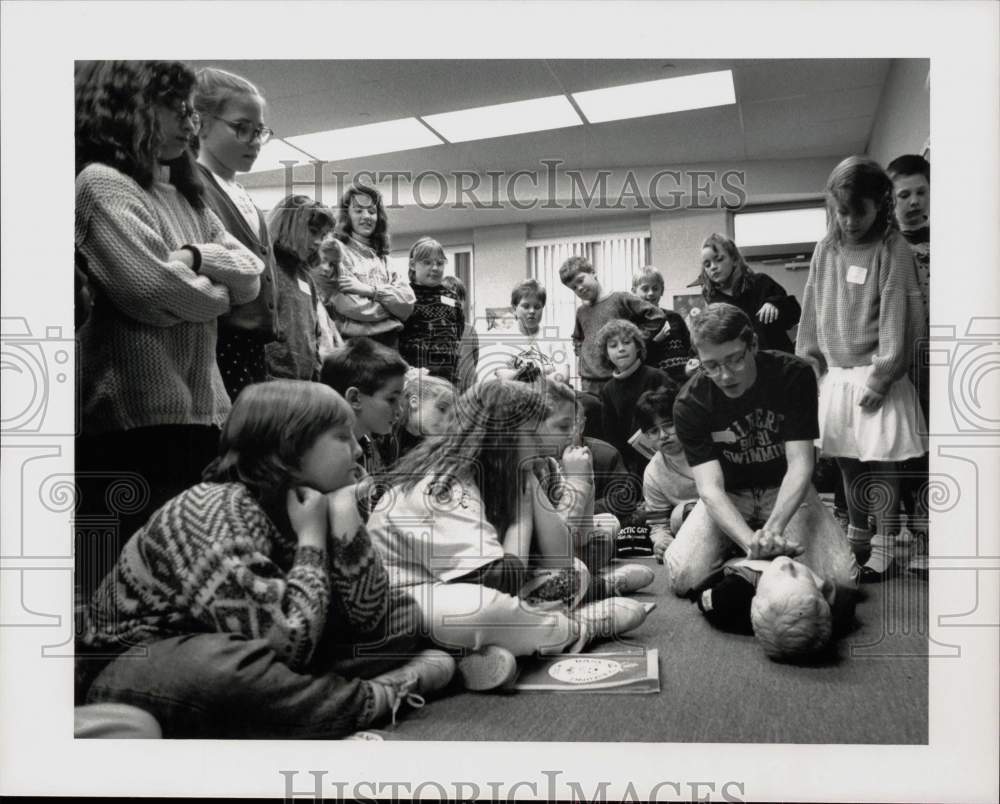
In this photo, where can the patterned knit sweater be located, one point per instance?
(862, 306)
(211, 560)
(431, 335)
(148, 350)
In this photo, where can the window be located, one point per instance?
(459, 264)
(616, 259)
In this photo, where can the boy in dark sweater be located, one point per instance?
(598, 308)
(623, 351)
(670, 349)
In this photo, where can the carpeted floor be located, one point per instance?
(719, 687)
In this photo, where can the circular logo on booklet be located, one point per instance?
(584, 670)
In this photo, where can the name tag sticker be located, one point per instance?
(304, 287)
(726, 436)
(448, 300)
(856, 274)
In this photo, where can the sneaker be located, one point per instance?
(491, 668)
(882, 562)
(426, 673)
(367, 736)
(860, 540)
(628, 578)
(608, 618)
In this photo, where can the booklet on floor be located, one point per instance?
(634, 671)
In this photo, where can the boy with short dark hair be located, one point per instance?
(668, 481)
(370, 377)
(670, 349)
(598, 308)
(528, 352)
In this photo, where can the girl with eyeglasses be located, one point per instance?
(162, 269)
(231, 132)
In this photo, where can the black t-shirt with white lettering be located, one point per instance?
(747, 435)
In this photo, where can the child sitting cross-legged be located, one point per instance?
(239, 608)
(592, 489)
(668, 482)
(466, 528)
(370, 377)
(427, 411)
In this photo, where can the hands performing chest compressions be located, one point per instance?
(747, 422)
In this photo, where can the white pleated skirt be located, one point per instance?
(894, 432)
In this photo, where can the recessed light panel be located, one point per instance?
(505, 119)
(374, 138)
(657, 97)
(274, 153)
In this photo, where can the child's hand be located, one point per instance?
(182, 255)
(350, 284)
(768, 313)
(307, 514)
(871, 399)
(660, 547)
(663, 333)
(330, 253)
(342, 510)
(577, 462)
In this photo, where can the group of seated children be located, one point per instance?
(360, 540)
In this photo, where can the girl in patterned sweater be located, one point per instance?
(249, 593)
(861, 314)
(431, 336)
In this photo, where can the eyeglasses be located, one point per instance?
(731, 364)
(247, 132)
(185, 112)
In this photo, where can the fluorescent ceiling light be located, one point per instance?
(374, 138)
(779, 226)
(504, 119)
(657, 97)
(274, 153)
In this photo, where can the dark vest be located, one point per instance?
(259, 317)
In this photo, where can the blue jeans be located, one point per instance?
(223, 685)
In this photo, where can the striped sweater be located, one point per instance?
(211, 560)
(148, 350)
(862, 306)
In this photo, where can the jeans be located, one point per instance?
(223, 685)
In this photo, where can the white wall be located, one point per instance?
(902, 125)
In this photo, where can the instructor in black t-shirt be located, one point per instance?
(747, 421)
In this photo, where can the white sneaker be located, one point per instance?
(628, 578)
(426, 673)
(491, 668)
(608, 618)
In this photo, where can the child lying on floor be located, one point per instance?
(466, 528)
(791, 610)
